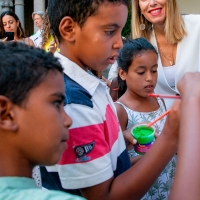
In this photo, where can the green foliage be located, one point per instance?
(126, 32)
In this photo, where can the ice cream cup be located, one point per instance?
(145, 137)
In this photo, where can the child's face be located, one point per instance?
(43, 123)
(98, 41)
(142, 75)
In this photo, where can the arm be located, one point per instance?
(29, 42)
(133, 183)
(187, 179)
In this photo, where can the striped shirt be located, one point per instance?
(96, 148)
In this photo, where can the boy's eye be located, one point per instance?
(109, 32)
(58, 103)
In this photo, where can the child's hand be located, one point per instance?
(188, 86)
(129, 139)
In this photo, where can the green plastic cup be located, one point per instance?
(145, 137)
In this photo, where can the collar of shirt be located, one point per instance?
(17, 183)
(76, 73)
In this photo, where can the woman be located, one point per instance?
(176, 37)
(38, 20)
(10, 23)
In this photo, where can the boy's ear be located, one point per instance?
(67, 29)
(7, 115)
(122, 74)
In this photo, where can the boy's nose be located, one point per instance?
(118, 43)
(67, 120)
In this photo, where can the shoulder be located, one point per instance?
(194, 19)
(76, 94)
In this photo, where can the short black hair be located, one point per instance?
(78, 10)
(22, 68)
(130, 50)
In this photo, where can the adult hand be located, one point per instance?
(5, 39)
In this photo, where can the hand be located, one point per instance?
(5, 39)
(188, 85)
(106, 80)
(52, 47)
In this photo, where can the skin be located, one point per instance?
(100, 31)
(10, 25)
(23, 128)
(155, 12)
(187, 179)
(101, 36)
(38, 21)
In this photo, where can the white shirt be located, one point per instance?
(37, 38)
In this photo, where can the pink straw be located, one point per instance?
(164, 96)
(160, 117)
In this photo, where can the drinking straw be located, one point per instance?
(160, 117)
(164, 96)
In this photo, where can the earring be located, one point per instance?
(142, 25)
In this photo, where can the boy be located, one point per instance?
(89, 34)
(31, 97)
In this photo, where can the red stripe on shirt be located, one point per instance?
(104, 135)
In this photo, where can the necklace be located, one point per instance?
(170, 58)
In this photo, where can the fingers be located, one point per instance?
(5, 39)
(128, 137)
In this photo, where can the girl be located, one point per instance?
(137, 63)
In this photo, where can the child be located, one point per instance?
(89, 34)
(137, 64)
(31, 98)
(187, 180)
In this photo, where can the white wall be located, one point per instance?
(189, 6)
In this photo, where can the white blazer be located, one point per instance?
(187, 57)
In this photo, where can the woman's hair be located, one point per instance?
(130, 50)
(20, 31)
(174, 24)
(40, 13)
(46, 29)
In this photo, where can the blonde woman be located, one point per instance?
(176, 37)
(9, 22)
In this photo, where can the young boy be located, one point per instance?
(31, 98)
(89, 34)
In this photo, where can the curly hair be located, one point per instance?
(46, 29)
